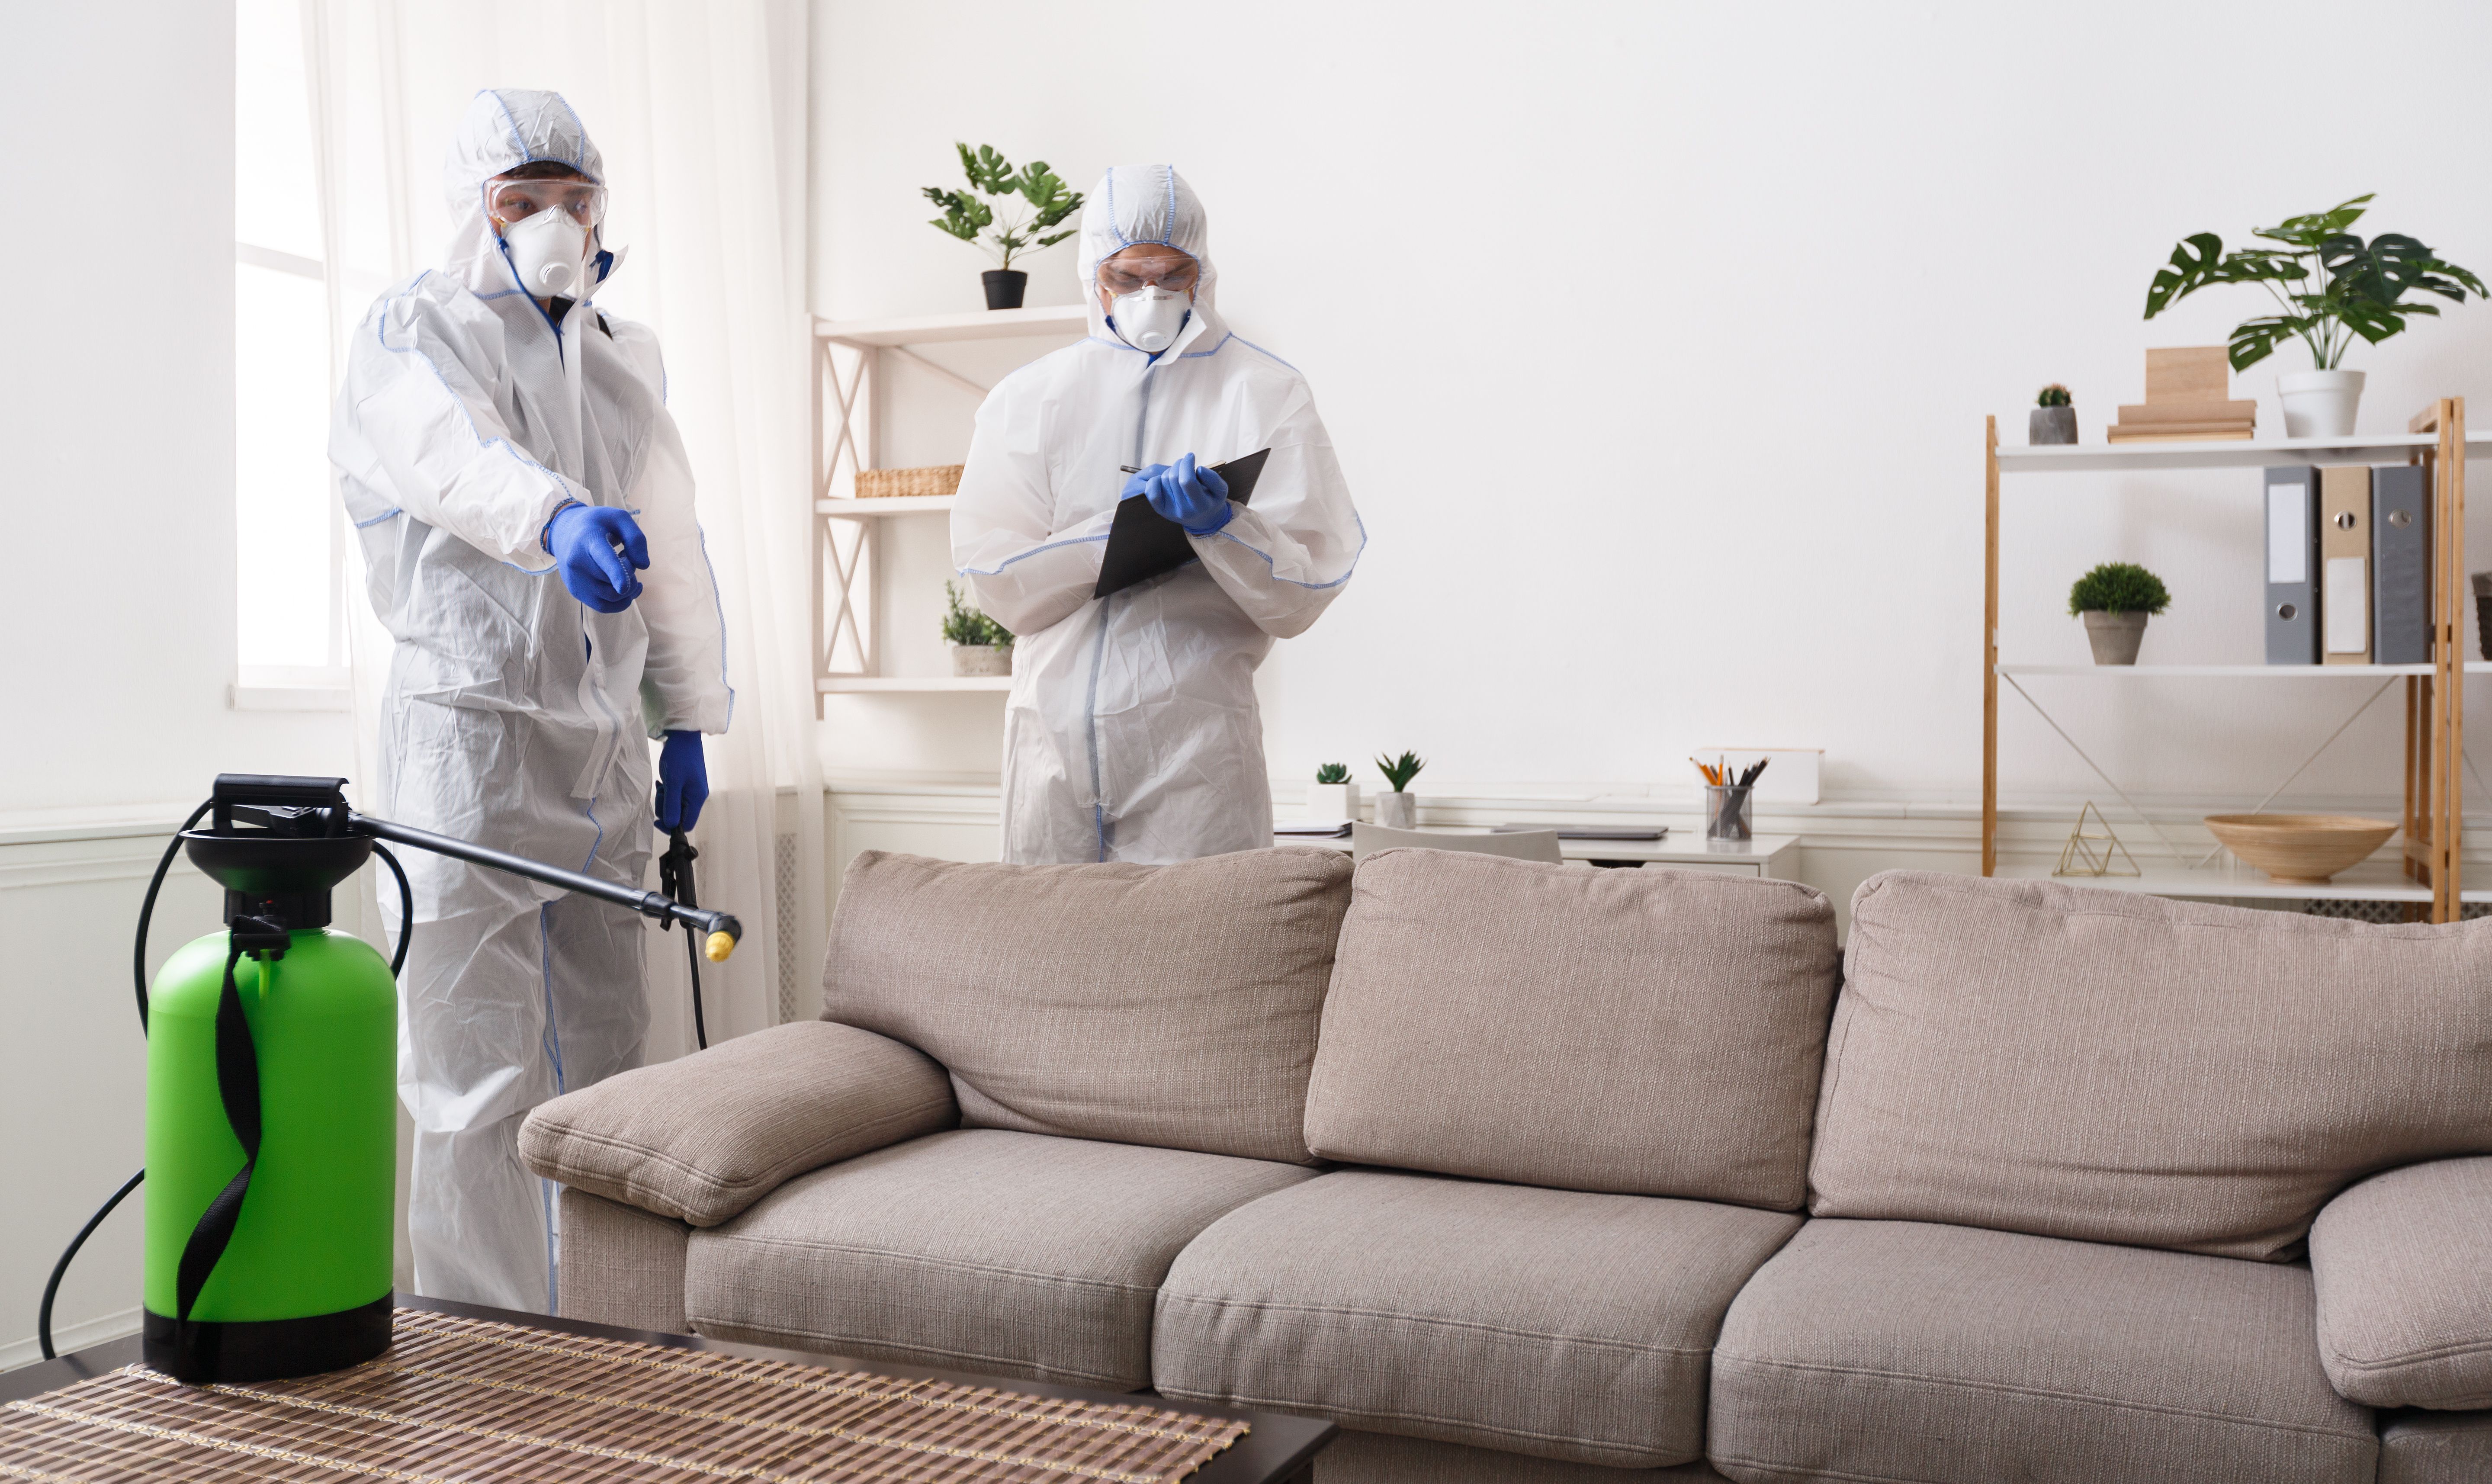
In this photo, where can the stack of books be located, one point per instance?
(2186, 400)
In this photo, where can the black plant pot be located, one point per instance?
(1004, 287)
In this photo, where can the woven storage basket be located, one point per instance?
(941, 479)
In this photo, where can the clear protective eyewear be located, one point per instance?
(1130, 272)
(512, 201)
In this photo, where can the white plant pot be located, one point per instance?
(1398, 810)
(969, 660)
(1332, 801)
(2320, 403)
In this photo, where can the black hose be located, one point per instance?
(52, 1285)
(147, 910)
(406, 906)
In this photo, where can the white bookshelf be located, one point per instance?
(2226, 453)
(891, 685)
(2238, 671)
(888, 505)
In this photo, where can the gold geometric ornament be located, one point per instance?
(2098, 852)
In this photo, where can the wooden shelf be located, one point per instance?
(2238, 454)
(887, 505)
(870, 685)
(2378, 879)
(936, 329)
(2241, 671)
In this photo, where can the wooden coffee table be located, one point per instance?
(1275, 1449)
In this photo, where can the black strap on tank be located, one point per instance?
(238, 1089)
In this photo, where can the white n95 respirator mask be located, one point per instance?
(1149, 317)
(549, 252)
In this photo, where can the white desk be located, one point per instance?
(1771, 856)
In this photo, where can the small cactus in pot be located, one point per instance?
(2053, 418)
(1333, 796)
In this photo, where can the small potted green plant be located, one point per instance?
(1400, 809)
(2053, 418)
(966, 217)
(2114, 600)
(2330, 286)
(1332, 796)
(980, 645)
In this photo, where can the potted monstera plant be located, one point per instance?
(2330, 287)
(974, 221)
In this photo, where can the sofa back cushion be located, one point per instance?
(2073, 1062)
(1165, 1005)
(1644, 1032)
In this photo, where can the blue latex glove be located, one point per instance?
(1196, 500)
(682, 780)
(583, 539)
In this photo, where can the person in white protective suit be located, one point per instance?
(526, 515)
(1132, 733)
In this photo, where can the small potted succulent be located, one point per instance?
(980, 645)
(2053, 418)
(1400, 809)
(1333, 795)
(966, 217)
(2114, 600)
(2330, 286)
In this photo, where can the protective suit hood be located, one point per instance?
(1145, 203)
(505, 128)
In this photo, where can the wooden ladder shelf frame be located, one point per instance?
(2435, 754)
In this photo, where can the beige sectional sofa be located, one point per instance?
(1540, 1174)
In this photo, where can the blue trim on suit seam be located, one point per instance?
(395, 509)
(988, 572)
(1223, 534)
(1250, 345)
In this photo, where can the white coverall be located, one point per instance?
(1132, 731)
(515, 715)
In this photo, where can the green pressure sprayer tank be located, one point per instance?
(272, 1064)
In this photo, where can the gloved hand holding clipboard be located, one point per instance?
(1142, 543)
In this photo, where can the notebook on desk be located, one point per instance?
(1315, 831)
(1644, 832)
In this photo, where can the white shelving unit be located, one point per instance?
(850, 358)
(2435, 698)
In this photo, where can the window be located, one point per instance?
(291, 542)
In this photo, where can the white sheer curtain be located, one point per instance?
(701, 113)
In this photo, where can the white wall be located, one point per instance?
(117, 412)
(1656, 342)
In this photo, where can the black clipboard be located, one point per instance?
(1142, 543)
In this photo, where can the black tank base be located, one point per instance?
(207, 1351)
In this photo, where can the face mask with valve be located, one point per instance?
(272, 1087)
(548, 254)
(1149, 317)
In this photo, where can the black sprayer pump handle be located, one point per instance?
(648, 904)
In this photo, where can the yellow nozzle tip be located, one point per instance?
(719, 946)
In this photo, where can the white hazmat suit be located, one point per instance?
(516, 716)
(1132, 733)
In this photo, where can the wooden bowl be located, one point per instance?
(2300, 850)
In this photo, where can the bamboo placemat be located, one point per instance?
(461, 1401)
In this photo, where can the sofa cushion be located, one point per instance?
(2403, 1264)
(1555, 1323)
(2436, 1447)
(1644, 1032)
(2122, 1068)
(620, 1264)
(1902, 1350)
(702, 1137)
(981, 1250)
(1382, 1457)
(1168, 1006)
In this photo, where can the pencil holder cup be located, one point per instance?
(1726, 812)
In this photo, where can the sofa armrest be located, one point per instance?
(2403, 1266)
(701, 1138)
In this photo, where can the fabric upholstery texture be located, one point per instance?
(1555, 1323)
(702, 1137)
(2403, 1264)
(2112, 1067)
(2430, 1447)
(1382, 1457)
(1643, 1032)
(1902, 1350)
(621, 1266)
(979, 1249)
(1167, 1005)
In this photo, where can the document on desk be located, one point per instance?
(1142, 543)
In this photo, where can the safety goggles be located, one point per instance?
(512, 201)
(1132, 271)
